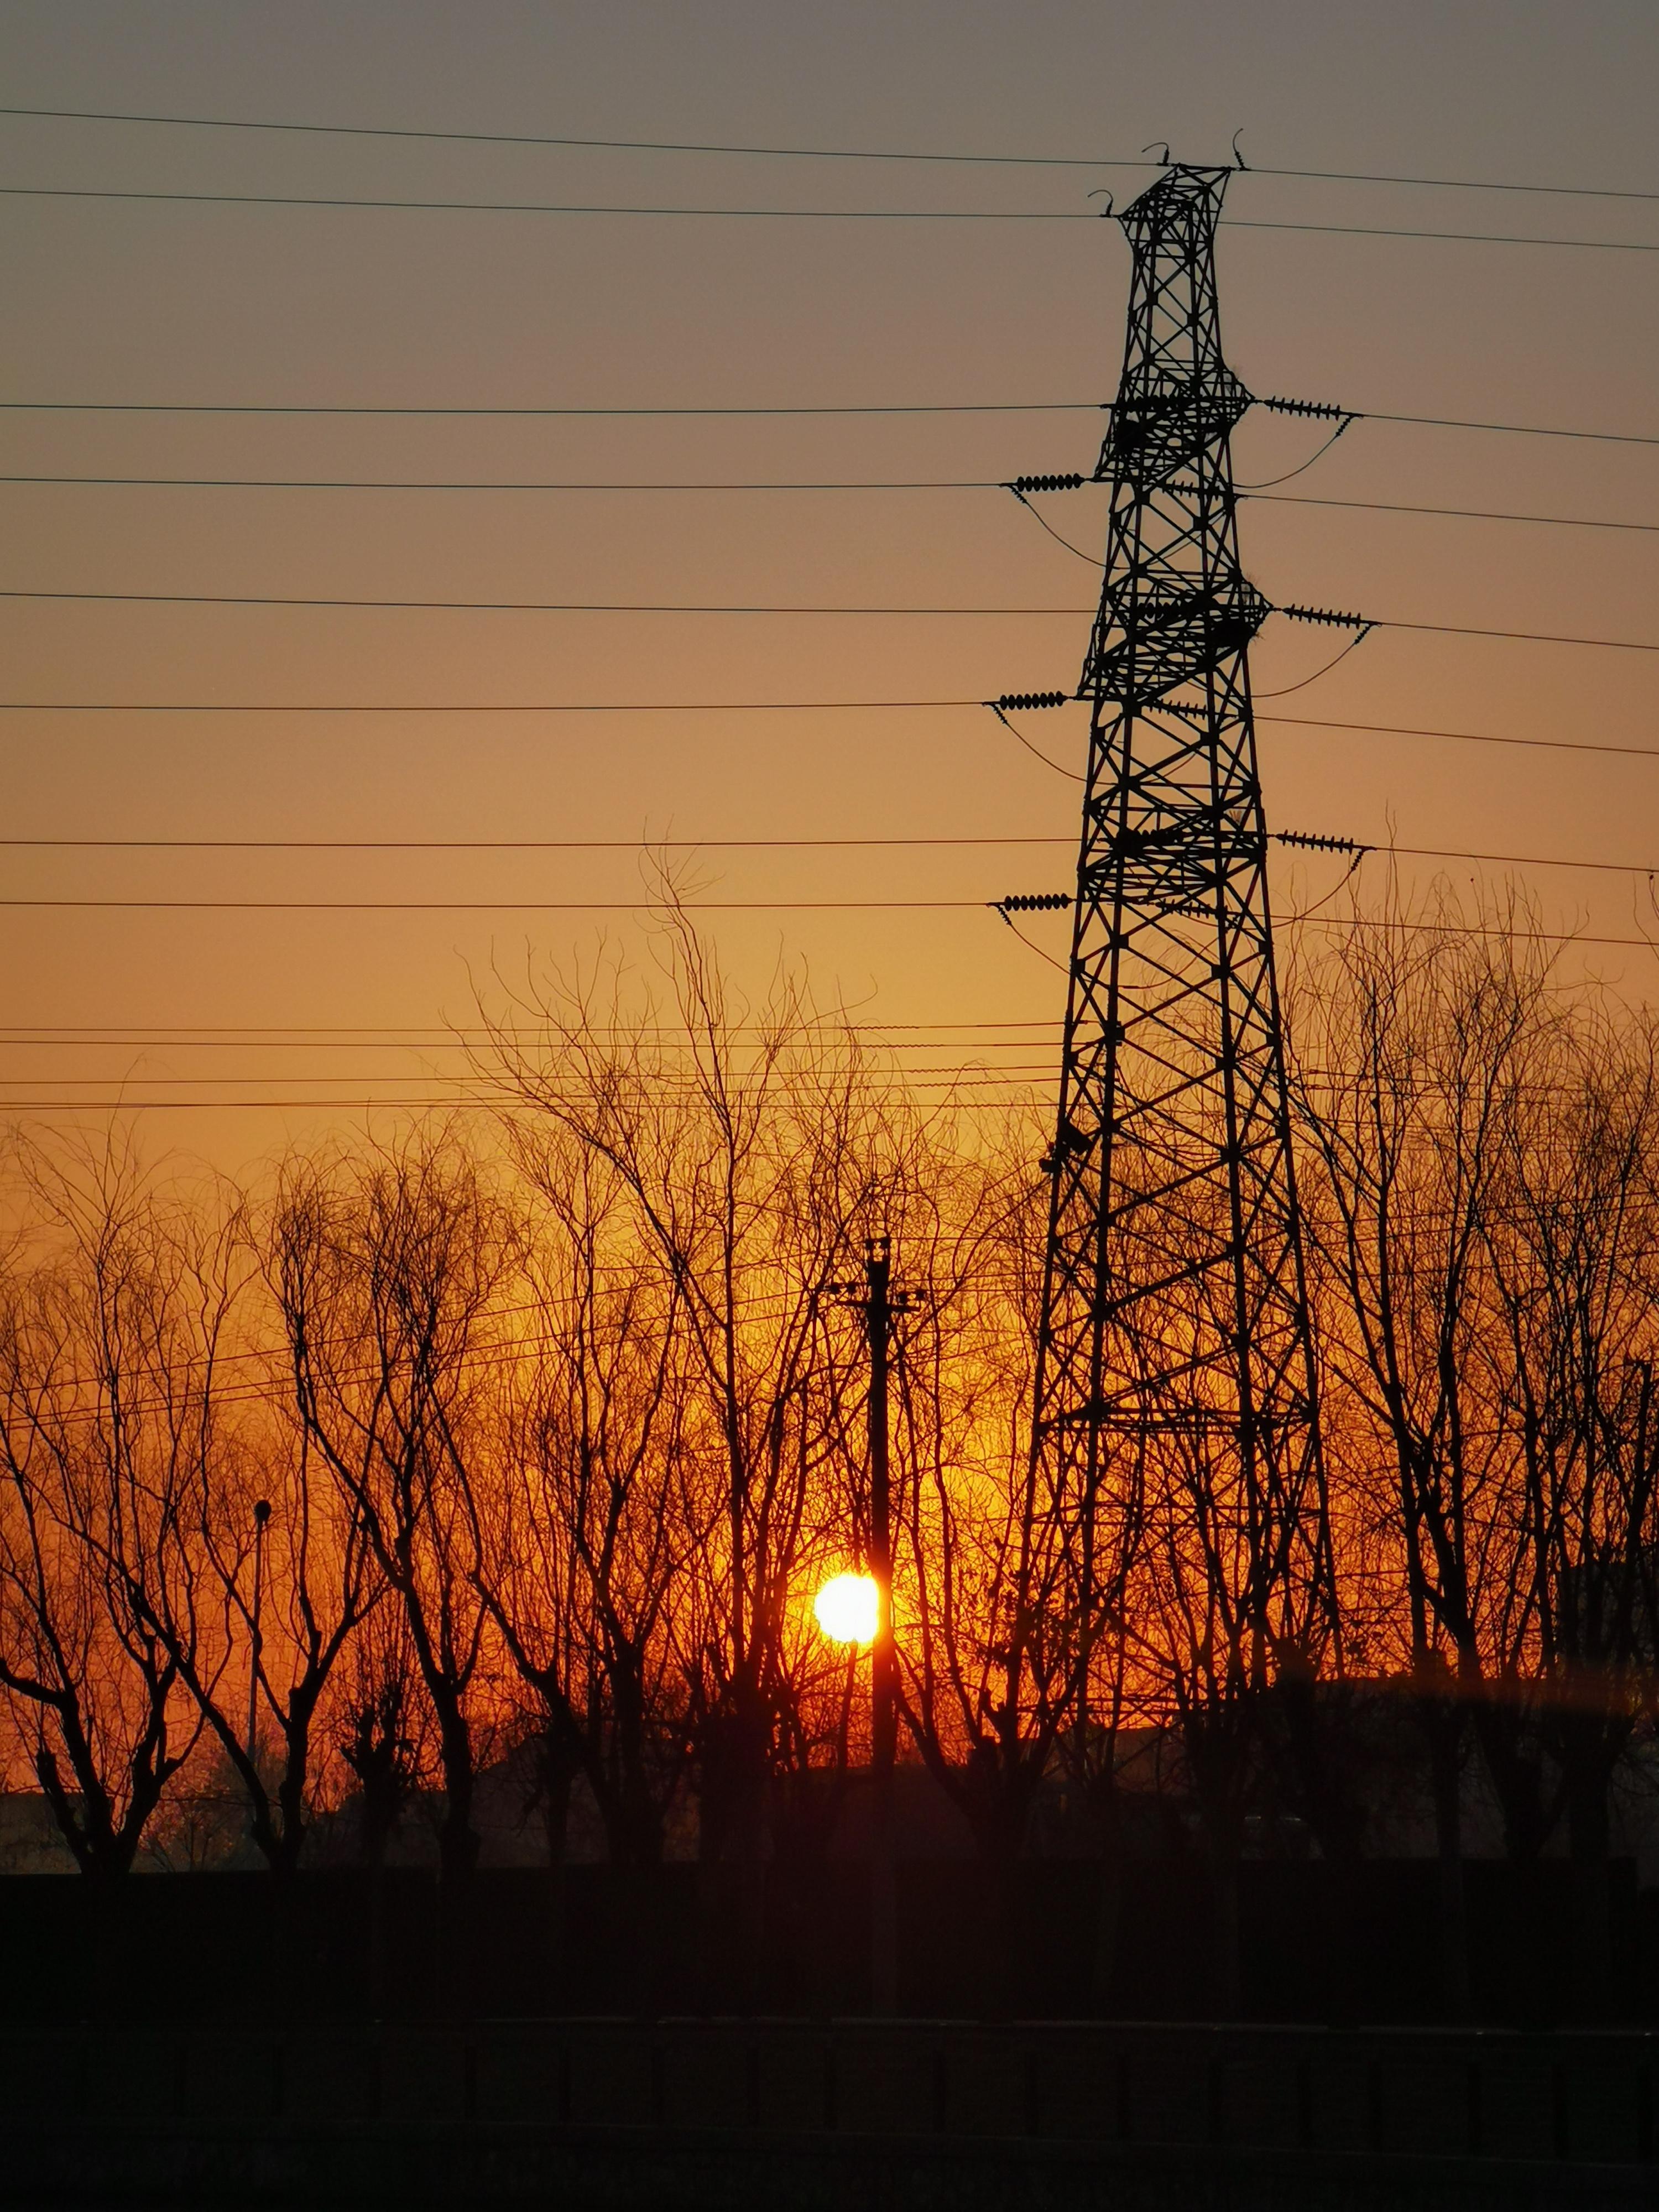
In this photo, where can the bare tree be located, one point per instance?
(746, 1140)
(1415, 1043)
(386, 1271)
(114, 1308)
(1572, 1234)
(605, 1509)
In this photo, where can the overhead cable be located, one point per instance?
(802, 153)
(900, 407)
(643, 607)
(359, 202)
(1020, 486)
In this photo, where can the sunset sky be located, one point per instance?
(147, 301)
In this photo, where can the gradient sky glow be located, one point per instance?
(147, 301)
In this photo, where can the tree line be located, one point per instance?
(559, 1429)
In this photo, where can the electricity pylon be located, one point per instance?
(1175, 1347)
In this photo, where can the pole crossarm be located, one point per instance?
(1175, 1345)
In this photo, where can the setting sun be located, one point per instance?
(847, 1608)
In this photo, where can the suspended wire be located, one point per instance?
(1462, 513)
(1522, 859)
(1447, 237)
(490, 906)
(608, 145)
(505, 606)
(1462, 737)
(1059, 965)
(256, 1043)
(709, 844)
(803, 153)
(1309, 913)
(938, 483)
(560, 207)
(409, 483)
(1019, 737)
(1042, 522)
(498, 844)
(131, 195)
(929, 1078)
(1513, 429)
(785, 706)
(1462, 929)
(1532, 636)
(1285, 690)
(628, 607)
(1301, 466)
(403, 1104)
(280, 407)
(775, 707)
(968, 407)
(350, 1036)
(473, 706)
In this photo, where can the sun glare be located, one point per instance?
(847, 1608)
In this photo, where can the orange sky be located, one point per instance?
(146, 302)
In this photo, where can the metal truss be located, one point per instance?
(1175, 1353)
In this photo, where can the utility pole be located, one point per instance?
(1175, 1340)
(261, 1517)
(880, 1304)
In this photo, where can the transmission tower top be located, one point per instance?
(1177, 407)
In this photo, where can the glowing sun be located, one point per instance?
(847, 1608)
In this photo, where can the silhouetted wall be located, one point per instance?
(1319, 1944)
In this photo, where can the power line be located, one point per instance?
(354, 1033)
(1518, 860)
(118, 1104)
(1462, 737)
(936, 483)
(903, 407)
(406, 483)
(1463, 929)
(498, 844)
(804, 152)
(490, 906)
(1511, 429)
(511, 607)
(234, 407)
(131, 195)
(549, 207)
(631, 607)
(754, 707)
(1448, 237)
(908, 1046)
(467, 706)
(713, 906)
(1396, 507)
(701, 844)
(928, 1077)
(1531, 636)
(610, 145)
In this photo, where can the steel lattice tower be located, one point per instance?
(1174, 1319)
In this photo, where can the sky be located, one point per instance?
(156, 301)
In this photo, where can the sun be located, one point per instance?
(849, 1607)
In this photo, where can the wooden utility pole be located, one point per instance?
(884, 1707)
(880, 1304)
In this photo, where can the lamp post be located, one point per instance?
(261, 1515)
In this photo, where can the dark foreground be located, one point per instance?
(710, 2116)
